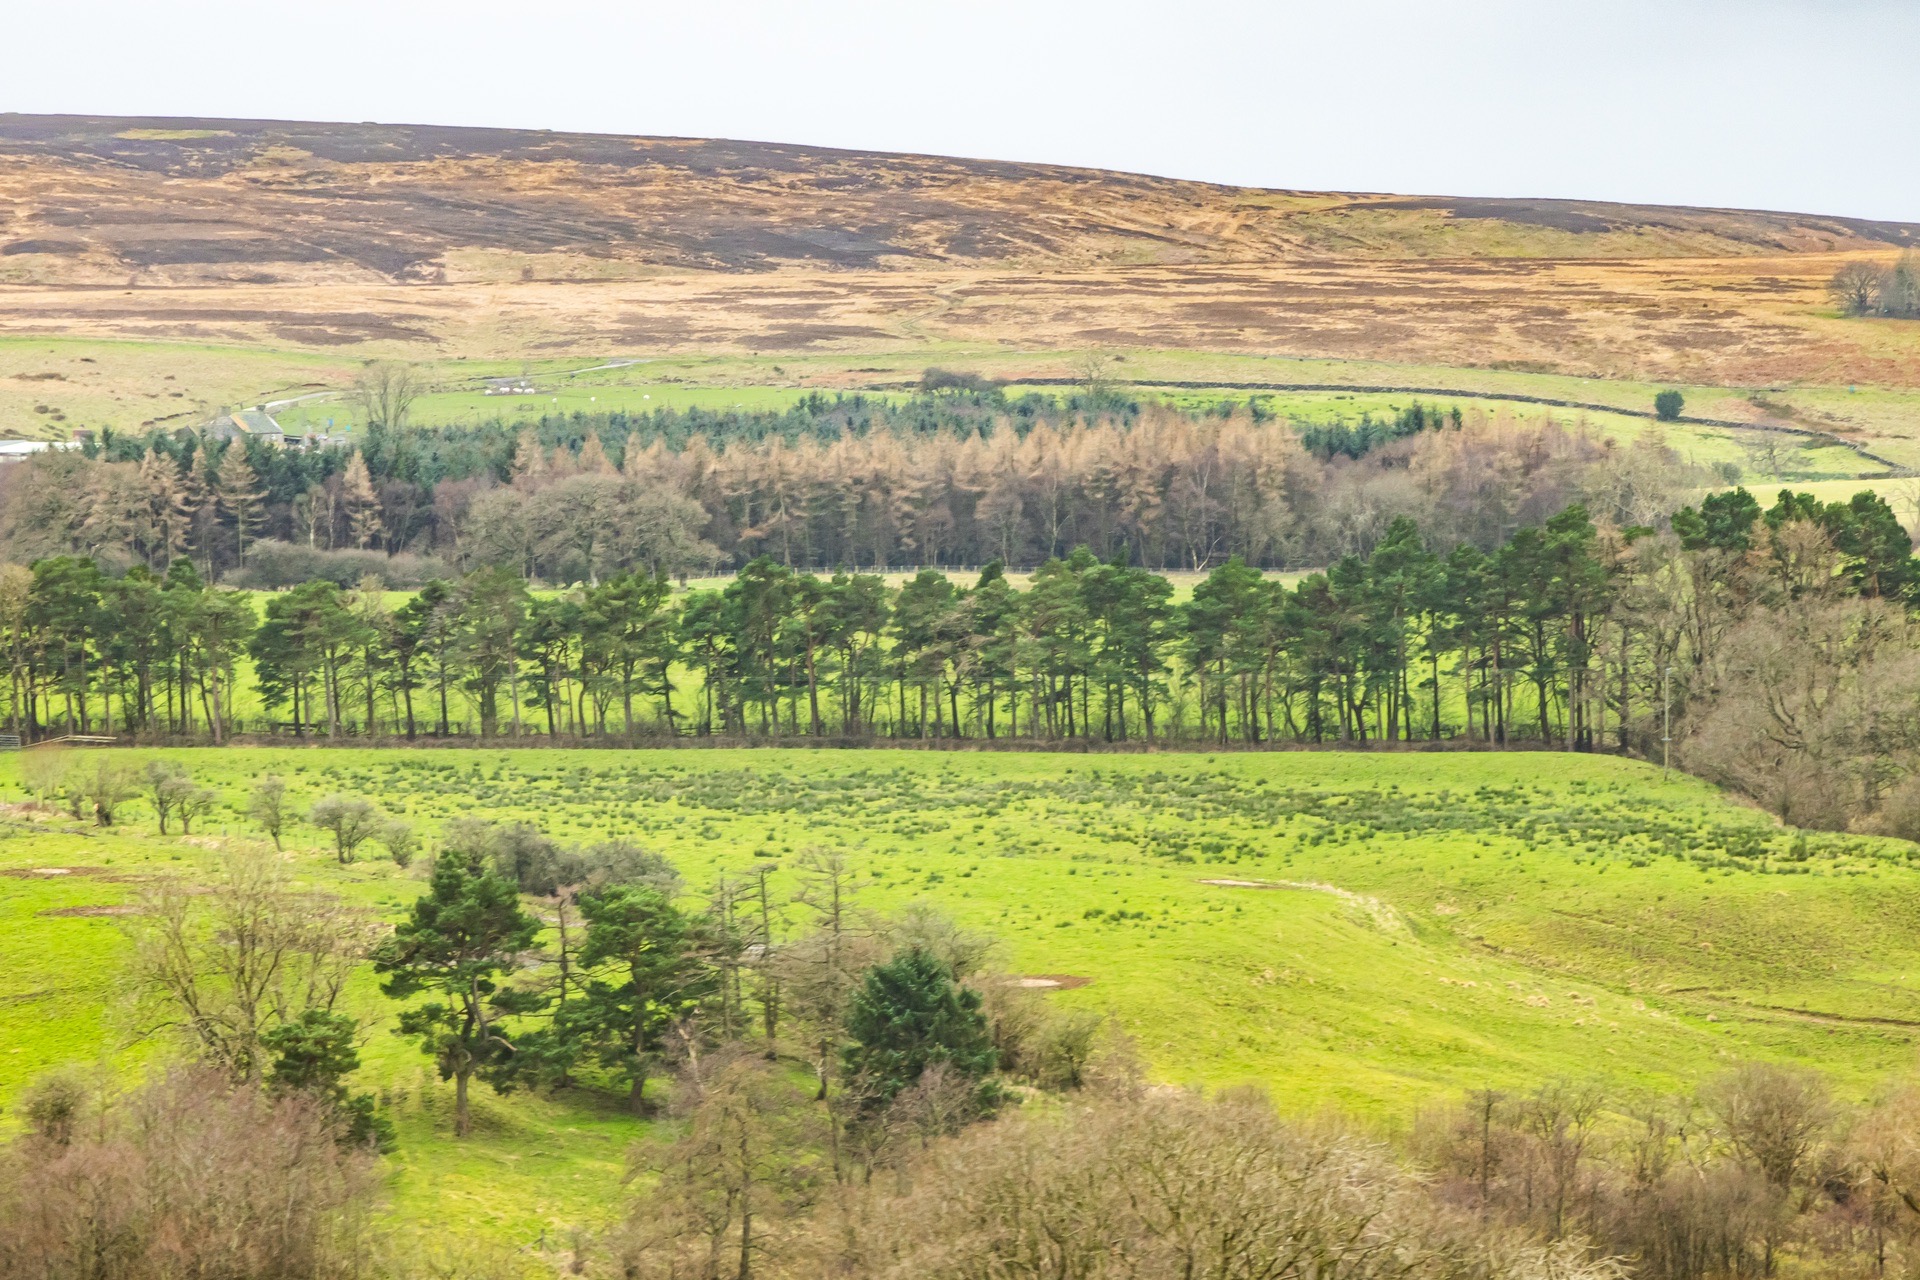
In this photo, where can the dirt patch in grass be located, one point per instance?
(1379, 914)
(89, 912)
(1051, 981)
(52, 873)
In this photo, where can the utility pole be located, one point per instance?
(1666, 721)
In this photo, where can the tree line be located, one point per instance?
(823, 487)
(1567, 634)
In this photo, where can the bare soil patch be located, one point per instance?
(49, 873)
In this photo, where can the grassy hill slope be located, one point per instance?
(1391, 929)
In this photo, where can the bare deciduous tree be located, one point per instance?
(741, 1168)
(223, 968)
(820, 970)
(1856, 287)
(385, 391)
(188, 1176)
(1774, 1117)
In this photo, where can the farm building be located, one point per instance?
(21, 450)
(255, 423)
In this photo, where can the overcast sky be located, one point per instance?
(1808, 105)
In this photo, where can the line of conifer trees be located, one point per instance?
(1562, 635)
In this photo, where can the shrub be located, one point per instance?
(47, 773)
(104, 783)
(1175, 1187)
(542, 866)
(400, 839)
(352, 821)
(187, 1177)
(274, 565)
(516, 851)
(1668, 405)
(267, 805)
(54, 1105)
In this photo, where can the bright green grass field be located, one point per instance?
(1427, 922)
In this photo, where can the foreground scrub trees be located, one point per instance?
(188, 1177)
(1131, 1186)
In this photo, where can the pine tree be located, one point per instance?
(646, 975)
(313, 1055)
(460, 938)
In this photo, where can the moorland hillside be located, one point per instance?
(421, 240)
(202, 199)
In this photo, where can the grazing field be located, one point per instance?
(1357, 931)
(50, 385)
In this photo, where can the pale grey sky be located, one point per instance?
(1807, 105)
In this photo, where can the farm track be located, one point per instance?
(1814, 1015)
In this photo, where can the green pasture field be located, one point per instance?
(1900, 493)
(473, 408)
(129, 384)
(1394, 928)
(1697, 445)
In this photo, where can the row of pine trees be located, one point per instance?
(1562, 634)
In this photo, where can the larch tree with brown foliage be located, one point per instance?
(239, 494)
(359, 502)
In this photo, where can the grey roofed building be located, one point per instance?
(257, 423)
